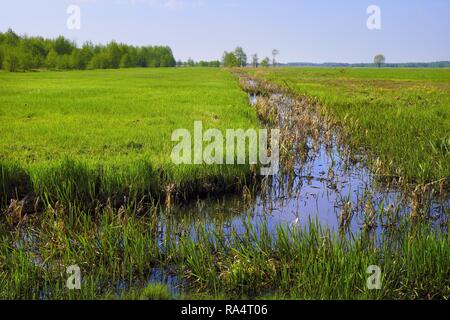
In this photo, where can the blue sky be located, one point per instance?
(302, 30)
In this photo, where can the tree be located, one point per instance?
(265, 62)
(114, 54)
(25, 53)
(153, 60)
(190, 63)
(63, 62)
(1, 57)
(275, 52)
(27, 61)
(52, 59)
(11, 38)
(241, 57)
(35, 50)
(63, 46)
(167, 59)
(101, 60)
(255, 60)
(86, 53)
(379, 60)
(141, 60)
(230, 60)
(12, 59)
(214, 64)
(76, 60)
(125, 61)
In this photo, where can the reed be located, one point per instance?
(118, 251)
(397, 117)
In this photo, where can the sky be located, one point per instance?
(302, 30)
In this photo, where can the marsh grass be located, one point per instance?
(119, 249)
(398, 117)
(111, 215)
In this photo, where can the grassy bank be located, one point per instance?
(118, 251)
(86, 136)
(400, 117)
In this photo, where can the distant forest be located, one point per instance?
(22, 53)
(438, 64)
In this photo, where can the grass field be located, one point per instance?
(399, 116)
(85, 135)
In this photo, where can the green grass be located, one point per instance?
(88, 135)
(82, 141)
(153, 291)
(116, 251)
(399, 116)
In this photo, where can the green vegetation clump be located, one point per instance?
(153, 291)
(87, 136)
(237, 58)
(22, 53)
(399, 117)
(156, 291)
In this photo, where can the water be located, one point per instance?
(326, 182)
(320, 190)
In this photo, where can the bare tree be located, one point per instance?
(255, 60)
(275, 52)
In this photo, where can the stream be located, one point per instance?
(324, 184)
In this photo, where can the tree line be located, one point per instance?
(202, 63)
(22, 53)
(238, 58)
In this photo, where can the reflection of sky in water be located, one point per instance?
(312, 194)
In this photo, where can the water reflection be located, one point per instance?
(325, 183)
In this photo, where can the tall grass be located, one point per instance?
(117, 251)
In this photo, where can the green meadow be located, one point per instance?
(399, 117)
(85, 135)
